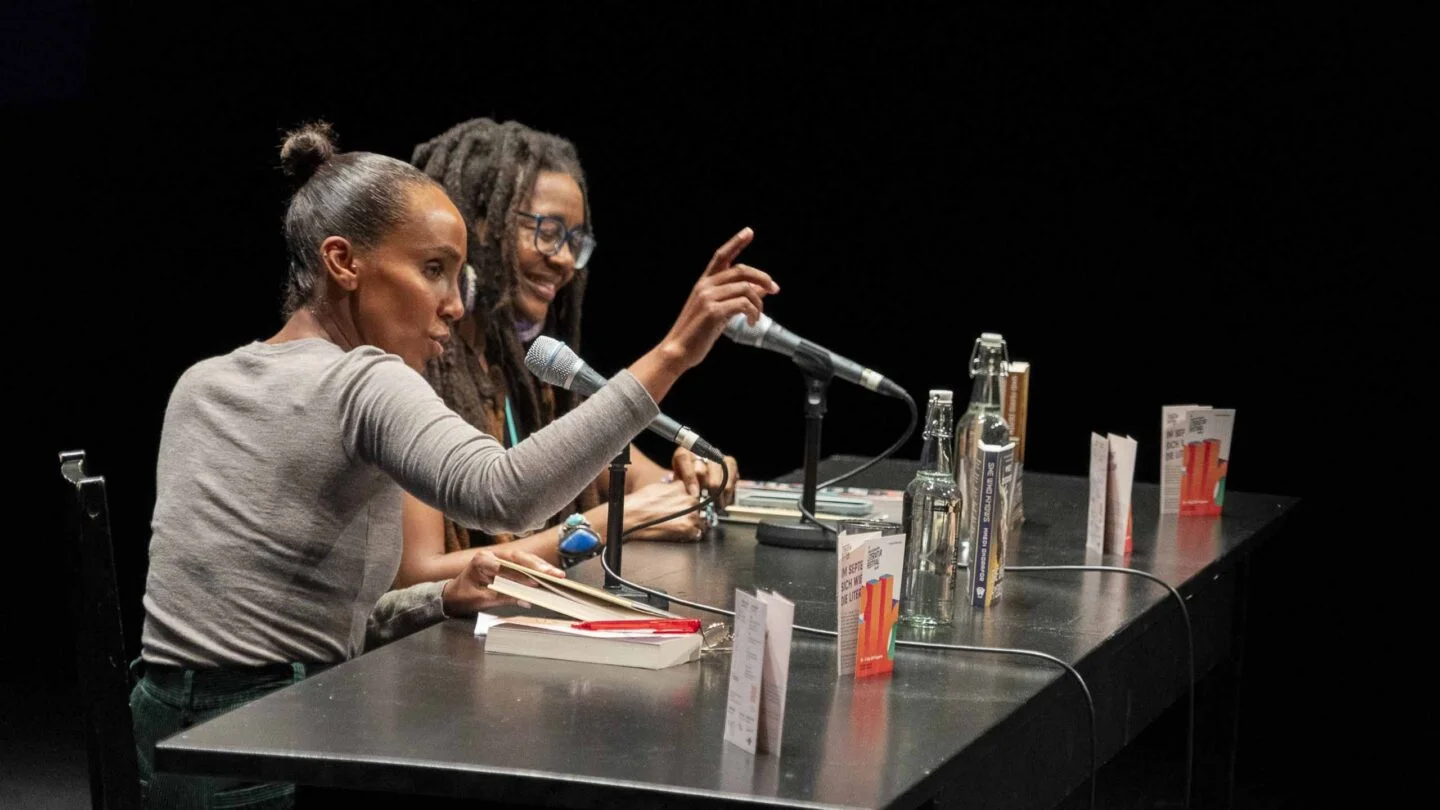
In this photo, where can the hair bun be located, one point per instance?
(305, 150)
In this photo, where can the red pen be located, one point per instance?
(653, 625)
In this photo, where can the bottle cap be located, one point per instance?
(993, 346)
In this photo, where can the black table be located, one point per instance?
(433, 714)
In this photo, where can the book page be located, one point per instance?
(484, 621)
(879, 605)
(569, 587)
(742, 705)
(1222, 426)
(1172, 456)
(1118, 519)
(849, 577)
(775, 669)
(575, 606)
(1099, 477)
(1201, 457)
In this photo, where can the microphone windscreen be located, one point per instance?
(741, 331)
(552, 361)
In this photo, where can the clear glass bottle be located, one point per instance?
(932, 506)
(982, 422)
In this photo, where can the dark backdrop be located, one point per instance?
(1155, 202)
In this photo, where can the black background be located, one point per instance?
(1155, 202)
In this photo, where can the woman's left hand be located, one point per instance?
(699, 474)
(470, 591)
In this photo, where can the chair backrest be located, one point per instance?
(103, 668)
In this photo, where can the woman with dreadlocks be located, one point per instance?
(524, 197)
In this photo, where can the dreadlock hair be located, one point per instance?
(357, 195)
(489, 171)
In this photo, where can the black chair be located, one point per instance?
(103, 669)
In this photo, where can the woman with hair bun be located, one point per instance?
(276, 529)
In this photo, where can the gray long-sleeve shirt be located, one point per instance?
(276, 532)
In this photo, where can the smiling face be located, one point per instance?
(408, 293)
(539, 277)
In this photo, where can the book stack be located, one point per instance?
(759, 500)
(560, 639)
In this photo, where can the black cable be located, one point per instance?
(1089, 700)
(1189, 643)
(810, 516)
(724, 482)
(890, 451)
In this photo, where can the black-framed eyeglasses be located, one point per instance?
(551, 235)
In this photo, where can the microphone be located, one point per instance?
(557, 364)
(767, 334)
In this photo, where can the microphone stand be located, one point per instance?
(615, 536)
(800, 532)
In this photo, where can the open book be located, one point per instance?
(555, 638)
(570, 598)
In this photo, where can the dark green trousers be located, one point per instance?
(167, 700)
